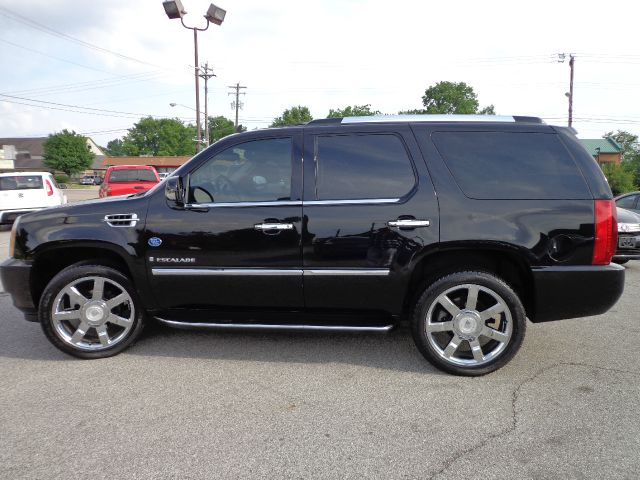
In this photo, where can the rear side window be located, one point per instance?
(627, 202)
(511, 166)
(353, 167)
(21, 182)
(132, 175)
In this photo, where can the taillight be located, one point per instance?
(606, 239)
(47, 185)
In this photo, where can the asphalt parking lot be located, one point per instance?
(247, 405)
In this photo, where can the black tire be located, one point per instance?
(468, 326)
(81, 276)
(621, 261)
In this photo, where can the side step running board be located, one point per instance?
(262, 326)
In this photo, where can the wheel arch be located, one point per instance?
(506, 264)
(52, 258)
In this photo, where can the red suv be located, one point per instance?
(126, 179)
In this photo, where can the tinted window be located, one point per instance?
(627, 202)
(362, 166)
(132, 175)
(256, 171)
(21, 182)
(501, 165)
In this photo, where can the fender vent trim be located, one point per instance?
(122, 220)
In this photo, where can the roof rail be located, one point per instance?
(425, 118)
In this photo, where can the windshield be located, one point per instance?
(132, 175)
(21, 182)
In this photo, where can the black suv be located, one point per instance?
(462, 225)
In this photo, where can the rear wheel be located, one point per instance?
(621, 261)
(469, 323)
(90, 311)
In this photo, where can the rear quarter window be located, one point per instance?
(511, 166)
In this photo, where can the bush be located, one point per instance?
(62, 178)
(620, 179)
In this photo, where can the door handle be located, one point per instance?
(273, 226)
(408, 223)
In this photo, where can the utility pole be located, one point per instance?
(572, 59)
(206, 76)
(569, 94)
(237, 105)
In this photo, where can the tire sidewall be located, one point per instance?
(489, 281)
(76, 272)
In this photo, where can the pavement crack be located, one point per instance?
(515, 394)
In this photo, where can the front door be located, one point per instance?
(237, 241)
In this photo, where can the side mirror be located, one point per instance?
(174, 190)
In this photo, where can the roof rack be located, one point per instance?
(426, 118)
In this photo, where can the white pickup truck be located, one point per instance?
(24, 192)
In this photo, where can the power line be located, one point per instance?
(43, 28)
(74, 108)
(54, 57)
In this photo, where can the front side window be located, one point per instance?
(351, 167)
(255, 171)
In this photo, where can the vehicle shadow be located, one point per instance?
(392, 351)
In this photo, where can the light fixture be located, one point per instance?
(215, 14)
(173, 8)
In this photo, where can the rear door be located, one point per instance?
(370, 210)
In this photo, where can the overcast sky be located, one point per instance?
(321, 54)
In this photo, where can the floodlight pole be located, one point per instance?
(196, 73)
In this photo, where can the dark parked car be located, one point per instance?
(628, 236)
(462, 226)
(629, 201)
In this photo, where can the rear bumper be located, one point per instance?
(15, 279)
(9, 216)
(570, 292)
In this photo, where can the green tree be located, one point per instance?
(220, 127)
(620, 179)
(67, 152)
(630, 152)
(115, 148)
(160, 136)
(451, 97)
(353, 111)
(293, 116)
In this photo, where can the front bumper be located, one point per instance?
(576, 291)
(15, 276)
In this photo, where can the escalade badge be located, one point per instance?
(154, 242)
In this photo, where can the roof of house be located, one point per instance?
(33, 145)
(601, 145)
(174, 161)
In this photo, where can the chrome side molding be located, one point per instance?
(275, 327)
(213, 271)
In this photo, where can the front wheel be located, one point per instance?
(469, 323)
(90, 311)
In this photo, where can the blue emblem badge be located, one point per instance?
(154, 242)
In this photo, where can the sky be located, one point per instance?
(97, 67)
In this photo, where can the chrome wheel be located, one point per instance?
(92, 313)
(468, 325)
